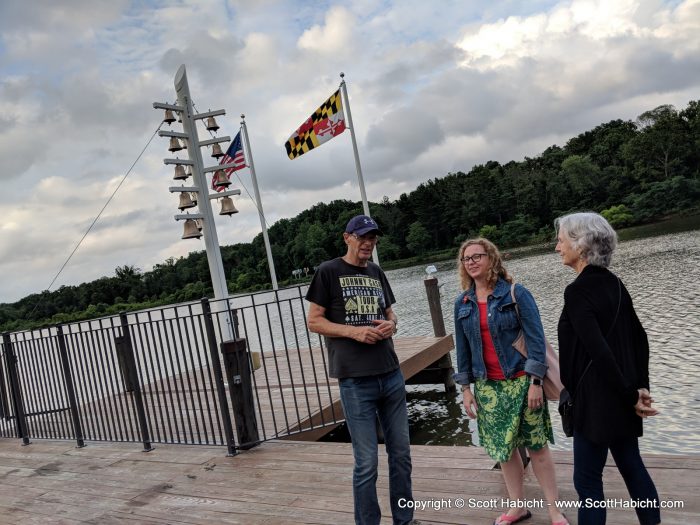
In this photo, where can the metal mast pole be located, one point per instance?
(258, 203)
(358, 168)
(211, 240)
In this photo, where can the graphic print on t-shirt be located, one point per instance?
(363, 298)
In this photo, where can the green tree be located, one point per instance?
(661, 144)
(584, 180)
(618, 216)
(490, 232)
(518, 231)
(418, 238)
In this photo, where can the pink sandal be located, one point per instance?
(504, 518)
(565, 521)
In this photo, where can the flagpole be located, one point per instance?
(263, 224)
(358, 168)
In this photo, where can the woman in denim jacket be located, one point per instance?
(508, 401)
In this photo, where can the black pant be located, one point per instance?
(589, 460)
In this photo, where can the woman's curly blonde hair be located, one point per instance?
(496, 268)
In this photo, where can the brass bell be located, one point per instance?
(169, 117)
(216, 151)
(191, 231)
(180, 173)
(175, 144)
(220, 179)
(185, 201)
(227, 207)
(211, 124)
(193, 196)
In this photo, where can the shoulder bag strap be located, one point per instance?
(517, 308)
(617, 313)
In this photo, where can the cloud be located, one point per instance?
(405, 130)
(431, 90)
(333, 37)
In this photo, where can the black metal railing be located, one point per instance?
(228, 372)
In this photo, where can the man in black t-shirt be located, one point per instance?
(350, 305)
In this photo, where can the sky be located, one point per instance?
(434, 88)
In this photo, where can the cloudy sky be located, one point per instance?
(435, 87)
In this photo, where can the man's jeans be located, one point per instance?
(589, 460)
(363, 399)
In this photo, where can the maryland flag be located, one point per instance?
(325, 123)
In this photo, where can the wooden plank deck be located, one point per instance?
(292, 395)
(277, 483)
(295, 395)
(414, 353)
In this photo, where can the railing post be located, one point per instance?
(445, 362)
(133, 375)
(70, 388)
(17, 403)
(123, 361)
(218, 377)
(240, 387)
(5, 411)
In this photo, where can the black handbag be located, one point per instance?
(566, 400)
(566, 411)
(566, 406)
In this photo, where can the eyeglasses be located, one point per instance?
(368, 237)
(475, 258)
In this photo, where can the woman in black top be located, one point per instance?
(604, 356)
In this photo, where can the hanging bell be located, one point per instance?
(193, 196)
(211, 124)
(180, 173)
(169, 117)
(227, 207)
(191, 231)
(175, 144)
(185, 201)
(216, 151)
(220, 179)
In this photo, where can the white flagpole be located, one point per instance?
(263, 225)
(358, 168)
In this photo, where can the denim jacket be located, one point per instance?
(504, 328)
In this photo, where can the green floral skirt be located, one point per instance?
(505, 421)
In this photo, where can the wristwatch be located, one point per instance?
(535, 381)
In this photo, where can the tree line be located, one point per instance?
(632, 172)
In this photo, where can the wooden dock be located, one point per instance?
(278, 483)
(414, 353)
(292, 394)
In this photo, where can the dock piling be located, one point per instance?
(240, 386)
(441, 370)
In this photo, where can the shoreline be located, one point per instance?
(675, 224)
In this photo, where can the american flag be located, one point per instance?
(234, 155)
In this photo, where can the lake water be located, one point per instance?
(663, 276)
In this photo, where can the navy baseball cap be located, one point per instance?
(361, 224)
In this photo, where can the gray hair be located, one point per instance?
(591, 235)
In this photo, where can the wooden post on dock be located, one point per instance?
(240, 386)
(127, 348)
(444, 364)
(433, 292)
(19, 413)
